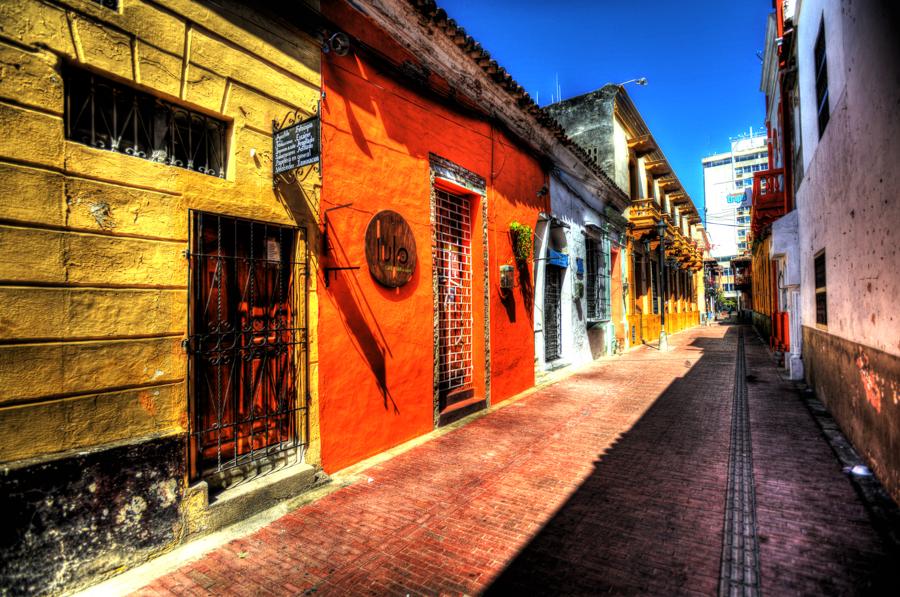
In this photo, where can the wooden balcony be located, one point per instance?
(658, 167)
(643, 216)
(768, 199)
(669, 184)
(642, 145)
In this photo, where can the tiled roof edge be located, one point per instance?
(431, 12)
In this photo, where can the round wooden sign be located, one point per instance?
(390, 249)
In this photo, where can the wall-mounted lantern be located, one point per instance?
(507, 277)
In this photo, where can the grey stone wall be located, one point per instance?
(588, 120)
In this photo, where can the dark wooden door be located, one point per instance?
(247, 333)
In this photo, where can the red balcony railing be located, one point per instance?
(768, 198)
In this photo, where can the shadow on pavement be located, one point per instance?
(649, 519)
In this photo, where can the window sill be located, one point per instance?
(596, 322)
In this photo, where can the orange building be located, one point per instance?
(399, 357)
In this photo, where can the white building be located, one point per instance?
(577, 248)
(830, 75)
(848, 60)
(726, 176)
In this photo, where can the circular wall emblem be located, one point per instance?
(390, 249)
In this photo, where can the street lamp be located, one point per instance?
(642, 81)
(661, 231)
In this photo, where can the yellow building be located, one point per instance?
(137, 147)
(664, 286)
(761, 291)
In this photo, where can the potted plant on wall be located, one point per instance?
(521, 236)
(521, 240)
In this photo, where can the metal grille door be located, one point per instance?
(453, 262)
(552, 313)
(248, 341)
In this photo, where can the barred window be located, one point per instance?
(821, 64)
(821, 289)
(109, 115)
(597, 278)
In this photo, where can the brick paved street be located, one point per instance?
(612, 480)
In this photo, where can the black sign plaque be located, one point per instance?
(297, 145)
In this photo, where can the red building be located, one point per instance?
(399, 357)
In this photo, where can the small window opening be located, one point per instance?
(821, 63)
(109, 115)
(821, 289)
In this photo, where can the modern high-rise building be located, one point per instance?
(726, 178)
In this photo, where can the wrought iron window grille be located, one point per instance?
(111, 4)
(248, 342)
(109, 115)
(553, 280)
(597, 279)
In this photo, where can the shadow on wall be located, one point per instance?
(386, 106)
(299, 198)
(508, 299)
(526, 285)
(352, 68)
(359, 319)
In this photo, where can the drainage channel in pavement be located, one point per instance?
(739, 572)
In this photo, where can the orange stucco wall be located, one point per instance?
(376, 344)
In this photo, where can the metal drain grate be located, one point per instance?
(739, 573)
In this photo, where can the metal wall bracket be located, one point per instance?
(328, 270)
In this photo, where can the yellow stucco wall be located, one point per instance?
(93, 309)
(761, 279)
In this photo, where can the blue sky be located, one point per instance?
(700, 58)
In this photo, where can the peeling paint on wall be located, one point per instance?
(859, 386)
(102, 214)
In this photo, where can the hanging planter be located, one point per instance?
(577, 290)
(521, 239)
